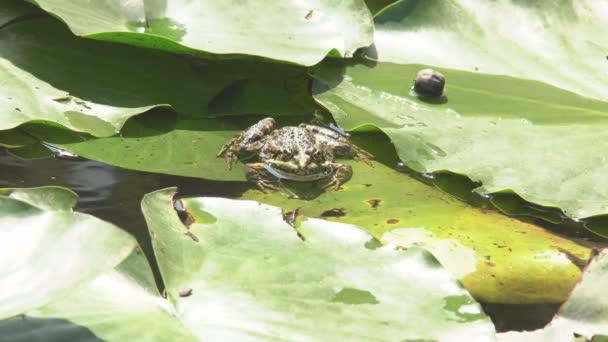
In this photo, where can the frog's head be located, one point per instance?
(303, 159)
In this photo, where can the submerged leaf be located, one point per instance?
(585, 313)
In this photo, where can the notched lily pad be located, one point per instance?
(251, 266)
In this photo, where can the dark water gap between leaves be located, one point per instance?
(114, 194)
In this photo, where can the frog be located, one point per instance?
(303, 153)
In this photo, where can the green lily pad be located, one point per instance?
(95, 87)
(585, 313)
(155, 142)
(14, 9)
(47, 249)
(497, 258)
(238, 271)
(301, 32)
(502, 247)
(376, 6)
(479, 131)
(562, 43)
(117, 305)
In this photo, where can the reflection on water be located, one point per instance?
(109, 193)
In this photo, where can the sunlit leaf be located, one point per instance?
(238, 271)
(493, 255)
(536, 140)
(562, 42)
(302, 32)
(46, 249)
(50, 75)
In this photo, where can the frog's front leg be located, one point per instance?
(342, 173)
(249, 140)
(256, 172)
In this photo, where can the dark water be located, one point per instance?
(114, 194)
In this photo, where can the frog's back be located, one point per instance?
(290, 139)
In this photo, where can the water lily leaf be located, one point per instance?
(494, 256)
(45, 242)
(562, 43)
(302, 32)
(585, 313)
(14, 9)
(117, 305)
(161, 142)
(480, 130)
(95, 87)
(238, 271)
(376, 6)
(155, 142)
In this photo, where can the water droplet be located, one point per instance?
(427, 175)
(438, 151)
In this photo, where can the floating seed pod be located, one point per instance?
(429, 83)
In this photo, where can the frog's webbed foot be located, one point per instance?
(360, 154)
(341, 174)
(257, 174)
(249, 140)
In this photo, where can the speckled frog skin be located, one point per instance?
(302, 153)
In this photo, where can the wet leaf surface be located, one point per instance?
(479, 131)
(497, 258)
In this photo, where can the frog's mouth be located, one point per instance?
(300, 178)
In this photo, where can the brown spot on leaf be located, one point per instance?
(374, 203)
(490, 264)
(192, 236)
(335, 212)
(578, 262)
(367, 185)
(291, 218)
(392, 221)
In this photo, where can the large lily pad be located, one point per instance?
(14, 9)
(117, 305)
(302, 32)
(47, 249)
(239, 272)
(95, 87)
(480, 130)
(585, 314)
(562, 43)
(493, 259)
(497, 258)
